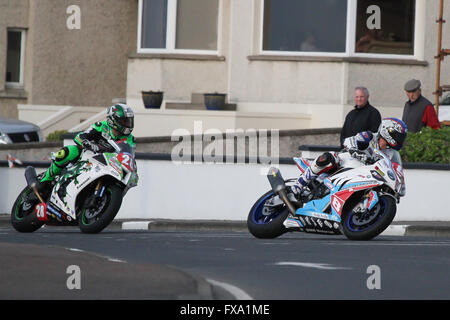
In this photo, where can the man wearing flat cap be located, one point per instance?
(418, 111)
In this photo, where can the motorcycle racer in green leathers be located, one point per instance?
(118, 126)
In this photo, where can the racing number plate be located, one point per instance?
(41, 211)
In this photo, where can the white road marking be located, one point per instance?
(238, 293)
(97, 255)
(115, 260)
(321, 266)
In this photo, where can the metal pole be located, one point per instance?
(439, 56)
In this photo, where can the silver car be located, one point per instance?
(13, 131)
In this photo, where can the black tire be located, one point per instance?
(267, 227)
(386, 209)
(23, 217)
(113, 194)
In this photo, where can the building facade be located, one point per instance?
(285, 64)
(64, 53)
(289, 64)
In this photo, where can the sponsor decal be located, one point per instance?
(116, 166)
(292, 223)
(83, 183)
(308, 221)
(302, 221)
(54, 212)
(328, 224)
(320, 215)
(337, 204)
(320, 223)
(329, 185)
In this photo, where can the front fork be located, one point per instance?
(98, 193)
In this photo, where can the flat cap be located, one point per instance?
(412, 85)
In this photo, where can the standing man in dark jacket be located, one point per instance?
(419, 111)
(363, 117)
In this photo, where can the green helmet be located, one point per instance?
(121, 118)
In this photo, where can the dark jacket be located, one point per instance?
(367, 118)
(413, 113)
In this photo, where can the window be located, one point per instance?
(393, 33)
(15, 57)
(189, 26)
(304, 25)
(381, 28)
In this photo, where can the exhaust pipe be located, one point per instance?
(32, 181)
(279, 187)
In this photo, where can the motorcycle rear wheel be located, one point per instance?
(266, 226)
(23, 217)
(95, 222)
(355, 227)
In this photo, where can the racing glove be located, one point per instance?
(90, 146)
(360, 155)
(363, 139)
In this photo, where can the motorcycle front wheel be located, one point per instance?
(267, 223)
(367, 225)
(96, 218)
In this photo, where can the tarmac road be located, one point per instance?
(180, 264)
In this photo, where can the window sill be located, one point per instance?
(15, 93)
(337, 59)
(177, 56)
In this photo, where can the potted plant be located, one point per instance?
(214, 101)
(152, 99)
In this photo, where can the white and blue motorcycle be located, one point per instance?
(359, 200)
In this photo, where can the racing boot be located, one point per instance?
(321, 165)
(59, 161)
(45, 184)
(299, 187)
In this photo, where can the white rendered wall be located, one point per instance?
(227, 191)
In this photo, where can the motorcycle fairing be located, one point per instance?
(91, 171)
(302, 164)
(312, 217)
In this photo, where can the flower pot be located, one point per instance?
(152, 99)
(214, 101)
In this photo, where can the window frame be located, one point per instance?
(350, 38)
(20, 84)
(171, 32)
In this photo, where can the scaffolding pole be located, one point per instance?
(439, 57)
(441, 53)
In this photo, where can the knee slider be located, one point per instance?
(62, 154)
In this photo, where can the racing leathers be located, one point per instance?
(95, 139)
(360, 146)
